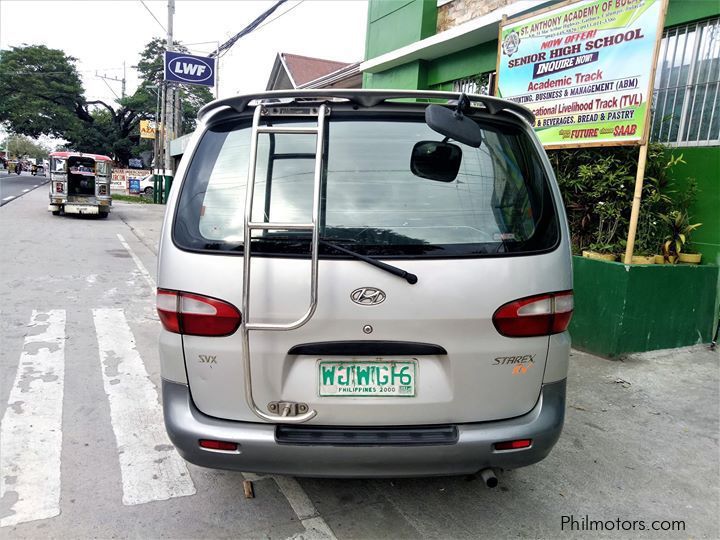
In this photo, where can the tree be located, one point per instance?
(20, 147)
(41, 93)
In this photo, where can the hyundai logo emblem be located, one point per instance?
(367, 296)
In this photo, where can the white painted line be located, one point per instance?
(315, 525)
(150, 467)
(8, 198)
(26, 190)
(31, 428)
(138, 263)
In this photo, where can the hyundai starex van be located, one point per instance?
(364, 283)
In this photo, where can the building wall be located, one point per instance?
(395, 23)
(703, 165)
(457, 12)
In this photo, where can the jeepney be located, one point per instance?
(80, 183)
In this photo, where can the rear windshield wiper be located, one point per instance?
(410, 278)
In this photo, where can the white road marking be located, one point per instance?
(31, 432)
(315, 525)
(138, 263)
(150, 467)
(26, 190)
(8, 198)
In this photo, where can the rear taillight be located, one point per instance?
(59, 187)
(196, 315)
(539, 315)
(218, 445)
(102, 189)
(513, 445)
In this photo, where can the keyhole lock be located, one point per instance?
(367, 329)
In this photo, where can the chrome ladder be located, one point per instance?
(286, 412)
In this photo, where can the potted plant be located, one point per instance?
(678, 236)
(601, 251)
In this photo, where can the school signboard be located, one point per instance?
(584, 68)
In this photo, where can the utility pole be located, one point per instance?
(169, 103)
(122, 81)
(217, 71)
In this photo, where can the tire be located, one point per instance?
(56, 212)
(104, 215)
(148, 191)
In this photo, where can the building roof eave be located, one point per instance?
(331, 78)
(466, 35)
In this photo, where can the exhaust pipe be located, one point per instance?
(488, 476)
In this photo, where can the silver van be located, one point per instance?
(364, 283)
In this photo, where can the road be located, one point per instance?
(13, 185)
(79, 460)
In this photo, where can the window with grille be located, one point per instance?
(478, 84)
(686, 101)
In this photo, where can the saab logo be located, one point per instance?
(367, 296)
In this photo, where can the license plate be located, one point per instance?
(367, 379)
(80, 209)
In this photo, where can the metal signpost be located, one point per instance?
(586, 69)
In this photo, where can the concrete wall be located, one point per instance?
(395, 23)
(460, 11)
(622, 309)
(702, 164)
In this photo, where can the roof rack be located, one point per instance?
(368, 98)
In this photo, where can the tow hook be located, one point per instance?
(287, 408)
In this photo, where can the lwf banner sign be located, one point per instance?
(584, 68)
(189, 69)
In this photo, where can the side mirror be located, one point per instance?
(436, 160)
(453, 125)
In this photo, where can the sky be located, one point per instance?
(102, 34)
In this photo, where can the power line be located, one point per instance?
(249, 28)
(110, 87)
(153, 16)
(280, 15)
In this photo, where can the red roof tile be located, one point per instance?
(304, 69)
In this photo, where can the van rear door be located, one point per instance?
(378, 350)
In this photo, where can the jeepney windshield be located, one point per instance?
(58, 165)
(101, 168)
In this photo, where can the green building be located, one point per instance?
(453, 45)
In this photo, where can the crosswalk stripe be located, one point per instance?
(150, 467)
(31, 428)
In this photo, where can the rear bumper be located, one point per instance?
(259, 452)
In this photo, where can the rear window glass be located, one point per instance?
(371, 201)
